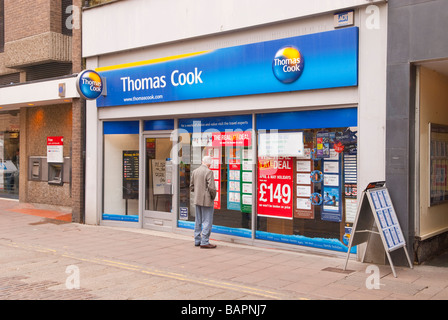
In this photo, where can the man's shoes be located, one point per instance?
(208, 246)
(197, 244)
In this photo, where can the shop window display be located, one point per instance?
(301, 188)
(308, 198)
(9, 154)
(438, 163)
(313, 154)
(121, 171)
(228, 140)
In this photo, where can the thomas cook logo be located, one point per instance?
(288, 64)
(89, 84)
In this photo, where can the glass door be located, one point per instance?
(158, 174)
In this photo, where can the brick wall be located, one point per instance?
(78, 160)
(34, 26)
(25, 18)
(37, 124)
(76, 42)
(28, 23)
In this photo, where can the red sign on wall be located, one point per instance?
(55, 149)
(55, 141)
(275, 187)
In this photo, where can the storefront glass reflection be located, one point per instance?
(228, 141)
(121, 171)
(9, 154)
(300, 187)
(159, 170)
(310, 198)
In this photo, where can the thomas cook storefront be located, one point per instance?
(273, 116)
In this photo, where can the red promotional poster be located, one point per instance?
(227, 139)
(215, 154)
(275, 186)
(234, 164)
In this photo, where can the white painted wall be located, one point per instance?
(38, 92)
(372, 95)
(130, 24)
(93, 168)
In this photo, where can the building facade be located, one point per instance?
(235, 82)
(40, 109)
(417, 122)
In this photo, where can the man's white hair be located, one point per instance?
(207, 160)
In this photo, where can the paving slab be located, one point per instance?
(122, 264)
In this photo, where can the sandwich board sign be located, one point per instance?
(376, 210)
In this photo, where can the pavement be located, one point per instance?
(44, 256)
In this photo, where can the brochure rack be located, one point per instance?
(376, 215)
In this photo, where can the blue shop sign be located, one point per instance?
(316, 61)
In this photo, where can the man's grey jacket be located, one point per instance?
(202, 183)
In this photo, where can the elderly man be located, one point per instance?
(202, 183)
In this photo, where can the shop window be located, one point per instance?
(159, 168)
(9, 154)
(301, 188)
(158, 165)
(228, 140)
(307, 178)
(438, 163)
(121, 171)
(8, 79)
